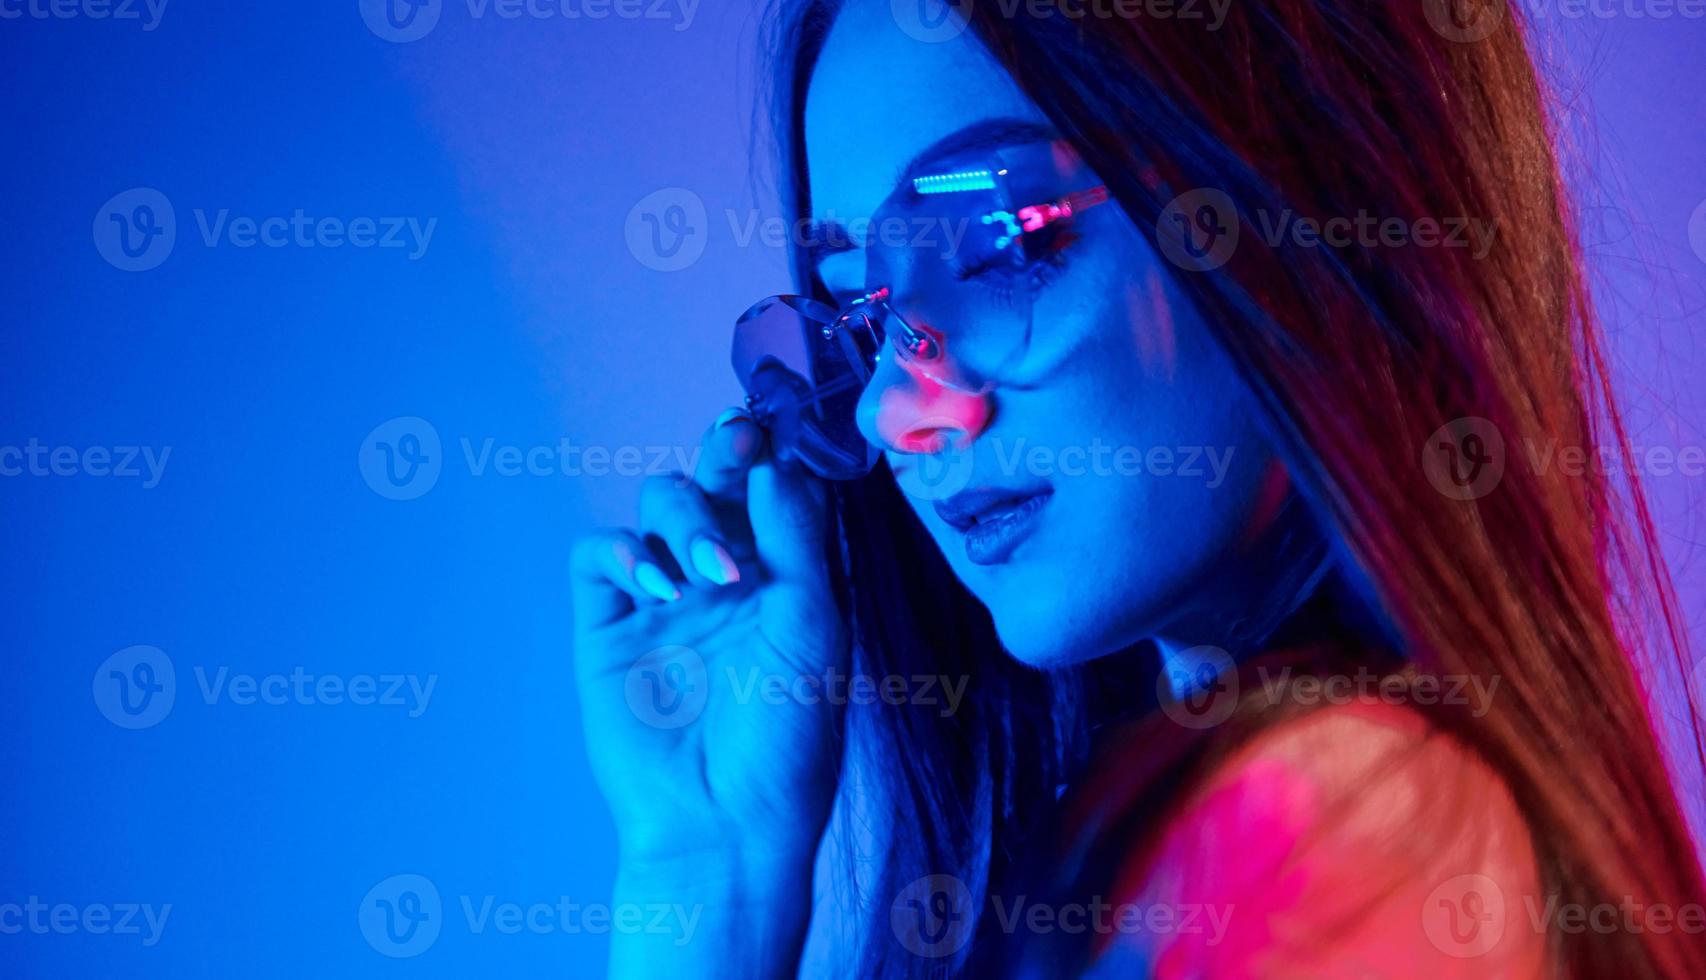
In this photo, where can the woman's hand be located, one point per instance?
(699, 639)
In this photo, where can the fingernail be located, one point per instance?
(655, 582)
(714, 562)
(729, 415)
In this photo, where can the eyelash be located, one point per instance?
(1042, 270)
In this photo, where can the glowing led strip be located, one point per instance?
(967, 180)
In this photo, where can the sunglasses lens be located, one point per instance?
(803, 373)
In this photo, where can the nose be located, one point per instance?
(904, 410)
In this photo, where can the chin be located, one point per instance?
(1041, 652)
(1050, 618)
(1033, 631)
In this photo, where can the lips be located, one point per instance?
(994, 520)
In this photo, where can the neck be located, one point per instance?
(1260, 590)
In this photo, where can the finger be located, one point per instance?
(676, 513)
(726, 453)
(610, 574)
(789, 511)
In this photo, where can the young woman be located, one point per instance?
(1201, 612)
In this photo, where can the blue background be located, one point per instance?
(537, 313)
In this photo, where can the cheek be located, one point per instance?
(1116, 314)
(1154, 335)
(1150, 375)
(1187, 464)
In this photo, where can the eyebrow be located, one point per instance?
(828, 238)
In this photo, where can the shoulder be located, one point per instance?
(1352, 841)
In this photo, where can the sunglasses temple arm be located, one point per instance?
(764, 409)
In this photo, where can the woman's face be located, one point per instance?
(1107, 487)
